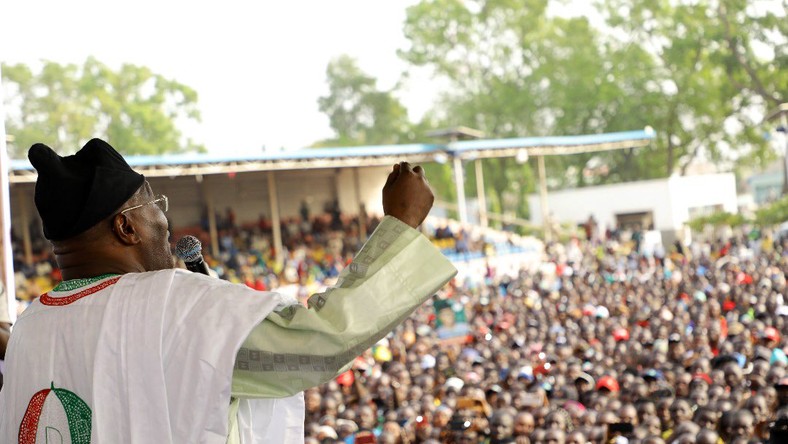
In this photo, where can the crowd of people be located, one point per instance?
(598, 344)
(315, 249)
(593, 342)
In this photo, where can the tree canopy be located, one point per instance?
(358, 111)
(65, 105)
(702, 73)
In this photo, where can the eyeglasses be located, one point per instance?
(161, 201)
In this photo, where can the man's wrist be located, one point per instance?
(407, 221)
(390, 221)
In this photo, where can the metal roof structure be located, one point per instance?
(457, 133)
(343, 157)
(552, 145)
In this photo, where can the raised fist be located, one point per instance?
(407, 195)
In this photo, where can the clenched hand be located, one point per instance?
(407, 195)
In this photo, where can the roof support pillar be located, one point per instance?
(211, 209)
(362, 210)
(482, 200)
(276, 223)
(24, 215)
(548, 235)
(459, 184)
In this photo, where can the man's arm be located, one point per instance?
(299, 347)
(395, 272)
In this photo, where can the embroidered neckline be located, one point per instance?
(73, 284)
(88, 287)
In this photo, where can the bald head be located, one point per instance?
(524, 424)
(707, 436)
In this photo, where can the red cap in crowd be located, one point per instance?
(543, 369)
(608, 383)
(771, 334)
(621, 334)
(702, 377)
(346, 379)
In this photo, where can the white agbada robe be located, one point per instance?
(272, 420)
(155, 356)
(127, 367)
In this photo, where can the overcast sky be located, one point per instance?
(258, 66)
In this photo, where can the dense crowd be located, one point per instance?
(315, 249)
(594, 343)
(597, 344)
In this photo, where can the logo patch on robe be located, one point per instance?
(56, 416)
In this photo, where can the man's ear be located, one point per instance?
(125, 230)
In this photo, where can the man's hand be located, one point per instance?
(407, 195)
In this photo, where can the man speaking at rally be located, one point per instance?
(128, 349)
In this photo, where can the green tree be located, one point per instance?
(358, 111)
(64, 105)
(689, 69)
(773, 214)
(514, 71)
(711, 80)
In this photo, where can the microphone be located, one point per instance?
(189, 250)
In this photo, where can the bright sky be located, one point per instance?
(258, 66)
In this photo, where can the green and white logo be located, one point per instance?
(55, 416)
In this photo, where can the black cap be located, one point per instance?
(721, 360)
(74, 193)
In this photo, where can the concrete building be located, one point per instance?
(767, 186)
(662, 205)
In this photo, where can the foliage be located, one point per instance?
(513, 72)
(716, 70)
(516, 71)
(769, 215)
(701, 72)
(689, 69)
(358, 112)
(717, 219)
(773, 214)
(441, 180)
(136, 110)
